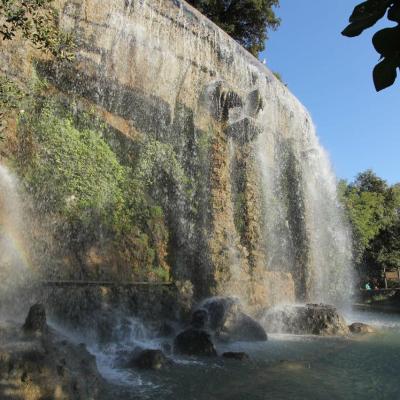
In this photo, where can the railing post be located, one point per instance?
(384, 274)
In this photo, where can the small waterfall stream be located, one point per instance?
(14, 258)
(306, 231)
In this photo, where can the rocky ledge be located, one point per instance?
(37, 362)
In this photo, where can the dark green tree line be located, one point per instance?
(373, 208)
(247, 21)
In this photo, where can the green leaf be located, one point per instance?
(357, 27)
(387, 41)
(394, 12)
(369, 10)
(384, 74)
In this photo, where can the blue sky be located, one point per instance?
(332, 77)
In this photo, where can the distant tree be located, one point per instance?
(368, 181)
(247, 21)
(373, 208)
(384, 249)
(386, 41)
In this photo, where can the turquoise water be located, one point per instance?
(286, 367)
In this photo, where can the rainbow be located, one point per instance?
(12, 245)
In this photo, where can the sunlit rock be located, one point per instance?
(359, 327)
(310, 319)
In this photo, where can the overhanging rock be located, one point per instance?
(244, 130)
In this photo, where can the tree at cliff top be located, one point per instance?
(373, 208)
(247, 21)
(386, 41)
(36, 21)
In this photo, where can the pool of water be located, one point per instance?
(286, 367)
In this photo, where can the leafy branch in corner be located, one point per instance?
(386, 41)
(36, 21)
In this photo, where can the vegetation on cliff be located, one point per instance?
(93, 200)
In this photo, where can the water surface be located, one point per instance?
(287, 367)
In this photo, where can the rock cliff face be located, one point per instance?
(247, 197)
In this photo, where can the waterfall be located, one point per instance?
(14, 261)
(260, 203)
(306, 231)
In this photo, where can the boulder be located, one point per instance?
(37, 366)
(35, 321)
(194, 342)
(241, 356)
(165, 330)
(199, 319)
(149, 359)
(309, 319)
(229, 323)
(359, 327)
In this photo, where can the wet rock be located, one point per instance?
(219, 98)
(194, 342)
(165, 330)
(229, 323)
(314, 319)
(359, 327)
(38, 366)
(35, 321)
(241, 356)
(244, 130)
(149, 359)
(254, 103)
(241, 327)
(199, 319)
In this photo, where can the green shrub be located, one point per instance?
(76, 179)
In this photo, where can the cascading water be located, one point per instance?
(306, 232)
(170, 75)
(14, 261)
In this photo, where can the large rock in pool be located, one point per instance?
(228, 322)
(194, 342)
(35, 321)
(359, 327)
(148, 359)
(314, 319)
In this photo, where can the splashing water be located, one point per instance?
(306, 232)
(14, 261)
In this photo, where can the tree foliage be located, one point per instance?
(373, 208)
(247, 21)
(36, 21)
(386, 41)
